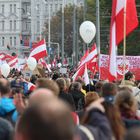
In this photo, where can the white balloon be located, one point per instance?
(31, 62)
(87, 31)
(5, 69)
(59, 65)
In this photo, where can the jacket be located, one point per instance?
(98, 126)
(135, 90)
(6, 130)
(7, 106)
(77, 95)
(68, 99)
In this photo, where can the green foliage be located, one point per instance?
(133, 40)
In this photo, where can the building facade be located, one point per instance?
(40, 10)
(10, 24)
(24, 20)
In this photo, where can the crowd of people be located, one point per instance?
(58, 108)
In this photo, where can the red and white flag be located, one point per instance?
(117, 29)
(84, 57)
(2, 56)
(79, 73)
(39, 50)
(92, 55)
(86, 77)
(31, 87)
(13, 61)
(45, 65)
(54, 62)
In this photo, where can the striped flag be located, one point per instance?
(85, 76)
(13, 61)
(2, 56)
(89, 60)
(117, 29)
(45, 65)
(92, 55)
(39, 50)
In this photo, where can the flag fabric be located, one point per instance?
(54, 62)
(85, 76)
(39, 50)
(31, 87)
(89, 60)
(8, 57)
(79, 73)
(117, 29)
(45, 65)
(13, 61)
(83, 58)
(2, 56)
(28, 87)
(93, 66)
(89, 57)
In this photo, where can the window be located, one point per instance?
(3, 9)
(61, 6)
(11, 41)
(38, 8)
(3, 23)
(15, 8)
(14, 24)
(46, 7)
(51, 7)
(56, 7)
(10, 8)
(26, 28)
(38, 26)
(15, 43)
(3, 38)
(10, 25)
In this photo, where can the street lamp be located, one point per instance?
(98, 25)
(62, 31)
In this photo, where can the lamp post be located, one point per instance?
(63, 31)
(98, 25)
(98, 29)
(74, 30)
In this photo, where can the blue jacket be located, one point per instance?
(6, 106)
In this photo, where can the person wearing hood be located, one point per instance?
(7, 107)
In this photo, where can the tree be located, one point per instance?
(56, 27)
(133, 40)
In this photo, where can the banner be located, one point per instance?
(132, 64)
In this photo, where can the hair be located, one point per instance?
(68, 83)
(129, 75)
(126, 103)
(98, 87)
(48, 84)
(133, 134)
(55, 76)
(109, 89)
(50, 121)
(90, 97)
(115, 120)
(61, 84)
(75, 86)
(4, 88)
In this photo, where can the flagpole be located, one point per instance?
(124, 43)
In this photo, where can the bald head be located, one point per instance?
(41, 95)
(49, 120)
